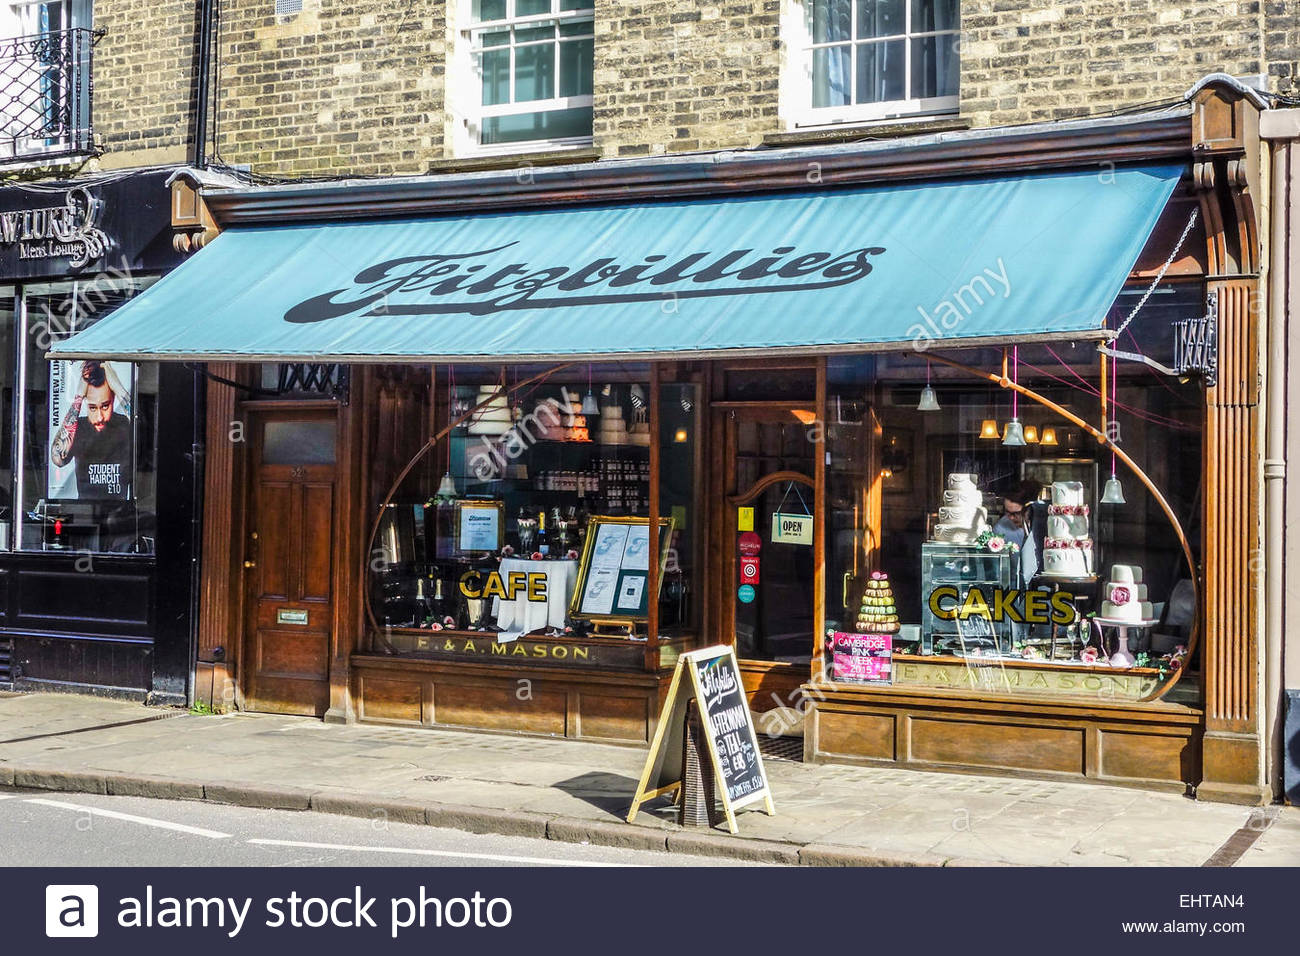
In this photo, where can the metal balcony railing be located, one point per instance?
(45, 95)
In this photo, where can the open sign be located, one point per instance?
(792, 529)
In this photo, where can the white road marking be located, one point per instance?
(445, 853)
(131, 818)
(9, 796)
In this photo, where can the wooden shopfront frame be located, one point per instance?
(1216, 749)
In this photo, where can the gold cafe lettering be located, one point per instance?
(1022, 607)
(71, 230)
(476, 584)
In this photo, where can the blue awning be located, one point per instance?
(833, 269)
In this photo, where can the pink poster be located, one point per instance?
(862, 658)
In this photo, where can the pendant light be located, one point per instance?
(1113, 494)
(447, 487)
(989, 429)
(589, 406)
(1031, 434)
(1014, 435)
(1049, 436)
(929, 402)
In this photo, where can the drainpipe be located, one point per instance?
(1280, 129)
(199, 155)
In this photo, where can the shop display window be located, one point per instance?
(976, 543)
(87, 449)
(490, 532)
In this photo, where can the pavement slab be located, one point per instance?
(578, 792)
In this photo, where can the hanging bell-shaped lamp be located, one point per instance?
(1049, 436)
(1014, 434)
(589, 405)
(989, 429)
(929, 401)
(1031, 434)
(447, 487)
(1113, 494)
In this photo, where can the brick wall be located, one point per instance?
(1024, 62)
(343, 87)
(144, 80)
(673, 75)
(359, 86)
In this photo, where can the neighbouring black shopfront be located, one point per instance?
(98, 499)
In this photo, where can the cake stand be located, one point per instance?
(1122, 656)
(1056, 582)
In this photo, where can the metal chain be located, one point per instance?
(1159, 275)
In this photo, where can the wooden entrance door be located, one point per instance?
(770, 464)
(288, 560)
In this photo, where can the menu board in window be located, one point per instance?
(614, 574)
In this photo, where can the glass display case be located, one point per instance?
(959, 569)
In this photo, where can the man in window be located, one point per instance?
(100, 446)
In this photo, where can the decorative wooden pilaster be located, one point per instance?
(219, 624)
(1226, 175)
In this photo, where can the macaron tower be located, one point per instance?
(878, 615)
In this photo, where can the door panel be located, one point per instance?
(289, 557)
(317, 536)
(284, 653)
(273, 566)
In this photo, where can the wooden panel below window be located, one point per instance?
(608, 706)
(382, 699)
(857, 735)
(499, 707)
(1147, 745)
(614, 718)
(1001, 746)
(1136, 755)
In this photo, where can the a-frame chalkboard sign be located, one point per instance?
(712, 677)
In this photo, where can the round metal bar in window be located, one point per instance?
(424, 450)
(1004, 381)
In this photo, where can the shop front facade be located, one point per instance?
(953, 439)
(98, 474)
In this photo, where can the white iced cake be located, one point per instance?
(1067, 549)
(613, 427)
(1125, 596)
(493, 418)
(962, 516)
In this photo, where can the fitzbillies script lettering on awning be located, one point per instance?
(450, 283)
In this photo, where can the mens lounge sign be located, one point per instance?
(69, 230)
(83, 228)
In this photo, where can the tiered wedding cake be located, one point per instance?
(878, 615)
(494, 418)
(613, 426)
(1125, 598)
(962, 516)
(1067, 550)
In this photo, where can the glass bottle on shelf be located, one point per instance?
(423, 614)
(543, 546)
(440, 608)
